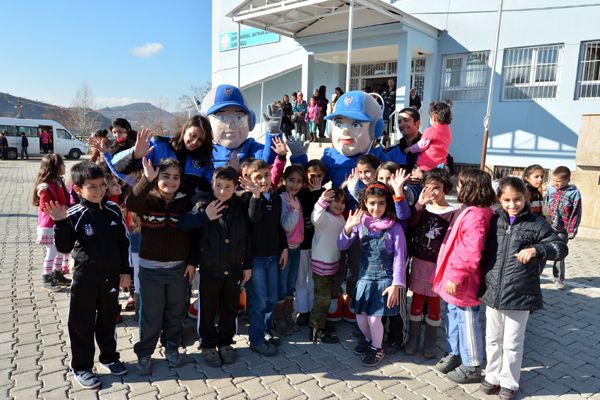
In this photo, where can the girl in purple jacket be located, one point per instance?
(382, 272)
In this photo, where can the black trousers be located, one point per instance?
(93, 312)
(163, 307)
(348, 271)
(395, 329)
(218, 296)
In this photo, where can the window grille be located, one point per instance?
(417, 77)
(465, 76)
(531, 72)
(588, 76)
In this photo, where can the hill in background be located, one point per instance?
(39, 110)
(141, 115)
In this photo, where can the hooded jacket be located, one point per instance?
(460, 254)
(508, 284)
(565, 208)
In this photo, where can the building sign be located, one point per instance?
(250, 37)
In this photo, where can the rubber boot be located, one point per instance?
(288, 314)
(429, 346)
(414, 330)
(279, 321)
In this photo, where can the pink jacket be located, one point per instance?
(434, 145)
(51, 191)
(312, 113)
(460, 253)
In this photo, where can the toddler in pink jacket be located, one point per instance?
(458, 276)
(435, 142)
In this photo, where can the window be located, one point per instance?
(29, 131)
(62, 134)
(9, 130)
(465, 76)
(531, 72)
(588, 76)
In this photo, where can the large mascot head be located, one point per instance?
(230, 118)
(355, 122)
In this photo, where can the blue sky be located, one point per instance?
(125, 51)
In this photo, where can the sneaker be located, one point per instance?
(302, 319)
(192, 311)
(49, 283)
(488, 388)
(211, 357)
(115, 368)
(130, 306)
(60, 279)
(144, 366)
(228, 354)
(174, 358)
(362, 348)
(373, 357)
(265, 349)
(323, 336)
(559, 284)
(448, 363)
(393, 347)
(464, 374)
(271, 338)
(87, 379)
(507, 394)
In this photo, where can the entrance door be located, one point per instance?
(417, 75)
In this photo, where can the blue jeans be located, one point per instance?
(464, 334)
(262, 296)
(289, 275)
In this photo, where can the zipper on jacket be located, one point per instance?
(504, 261)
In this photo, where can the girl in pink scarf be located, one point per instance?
(381, 288)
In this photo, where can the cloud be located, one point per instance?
(102, 102)
(147, 50)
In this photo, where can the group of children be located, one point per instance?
(292, 243)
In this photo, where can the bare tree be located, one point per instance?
(83, 117)
(187, 101)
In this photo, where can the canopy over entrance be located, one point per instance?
(303, 18)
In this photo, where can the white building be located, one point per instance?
(547, 73)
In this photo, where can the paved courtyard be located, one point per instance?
(562, 350)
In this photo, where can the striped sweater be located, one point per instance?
(325, 256)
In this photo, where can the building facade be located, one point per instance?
(547, 73)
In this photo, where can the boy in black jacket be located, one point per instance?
(95, 234)
(224, 259)
(269, 252)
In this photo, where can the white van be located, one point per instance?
(61, 140)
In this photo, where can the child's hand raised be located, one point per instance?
(140, 149)
(279, 147)
(398, 181)
(427, 196)
(55, 210)
(354, 219)
(99, 144)
(328, 196)
(315, 183)
(213, 209)
(234, 160)
(292, 201)
(150, 172)
(250, 186)
(393, 295)
(526, 255)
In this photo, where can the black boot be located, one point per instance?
(414, 331)
(429, 346)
